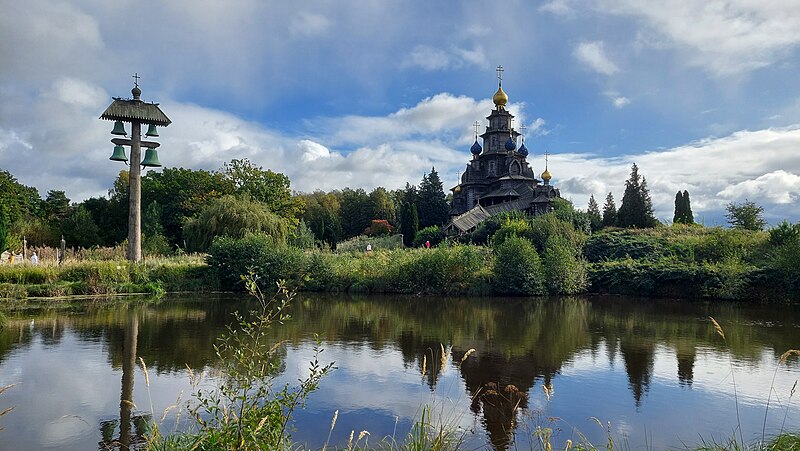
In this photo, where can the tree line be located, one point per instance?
(184, 209)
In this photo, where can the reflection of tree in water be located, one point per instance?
(639, 357)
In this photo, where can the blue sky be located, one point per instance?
(702, 95)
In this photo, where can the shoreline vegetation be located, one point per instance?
(509, 255)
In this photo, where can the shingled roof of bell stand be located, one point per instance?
(135, 110)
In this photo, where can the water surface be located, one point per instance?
(652, 373)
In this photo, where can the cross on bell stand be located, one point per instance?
(136, 112)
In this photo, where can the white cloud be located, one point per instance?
(560, 7)
(593, 55)
(621, 102)
(435, 59)
(309, 24)
(761, 165)
(723, 36)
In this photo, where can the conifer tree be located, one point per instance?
(432, 203)
(609, 212)
(637, 207)
(688, 216)
(409, 222)
(677, 217)
(594, 214)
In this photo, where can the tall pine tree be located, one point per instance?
(688, 216)
(609, 212)
(409, 222)
(594, 214)
(432, 203)
(637, 207)
(677, 218)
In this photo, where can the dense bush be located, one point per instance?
(431, 233)
(517, 268)
(512, 227)
(564, 268)
(231, 258)
(617, 245)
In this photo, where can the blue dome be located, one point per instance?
(510, 144)
(523, 150)
(476, 148)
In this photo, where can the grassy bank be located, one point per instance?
(96, 277)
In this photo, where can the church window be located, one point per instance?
(492, 170)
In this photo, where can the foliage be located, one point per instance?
(356, 211)
(3, 229)
(564, 269)
(432, 203)
(323, 216)
(79, 229)
(637, 207)
(609, 212)
(302, 237)
(382, 205)
(409, 223)
(378, 227)
(55, 206)
(784, 233)
(517, 268)
(545, 226)
(19, 201)
(246, 410)
(359, 243)
(595, 218)
(181, 194)
(265, 186)
(746, 215)
(235, 217)
(619, 244)
(432, 234)
(273, 260)
(512, 226)
(683, 209)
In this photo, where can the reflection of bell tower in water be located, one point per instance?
(132, 429)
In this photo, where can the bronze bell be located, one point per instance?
(151, 130)
(151, 159)
(119, 154)
(119, 129)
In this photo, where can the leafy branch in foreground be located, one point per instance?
(246, 410)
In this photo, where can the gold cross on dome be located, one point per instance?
(476, 126)
(522, 129)
(500, 73)
(136, 78)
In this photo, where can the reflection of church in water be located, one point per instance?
(498, 178)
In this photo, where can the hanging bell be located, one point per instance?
(119, 154)
(151, 130)
(119, 129)
(151, 159)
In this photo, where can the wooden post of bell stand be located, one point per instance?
(135, 195)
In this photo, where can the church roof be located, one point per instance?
(502, 192)
(470, 219)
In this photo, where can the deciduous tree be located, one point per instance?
(746, 215)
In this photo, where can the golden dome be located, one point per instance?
(457, 189)
(500, 98)
(546, 175)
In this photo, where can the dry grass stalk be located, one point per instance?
(350, 440)
(424, 364)
(443, 359)
(3, 389)
(717, 327)
(788, 354)
(466, 354)
(333, 425)
(144, 368)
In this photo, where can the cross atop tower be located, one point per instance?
(546, 154)
(136, 78)
(476, 126)
(500, 74)
(522, 129)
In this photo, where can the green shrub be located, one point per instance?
(231, 258)
(512, 226)
(545, 226)
(617, 245)
(564, 269)
(431, 233)
(784, 233)
(517, 268)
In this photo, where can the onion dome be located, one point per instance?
(457, 189)
(546, 175)
(510, 144)
(476, 148)
(136, 92)
(523, 150)
(500, 98)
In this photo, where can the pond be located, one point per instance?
(651, 373)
